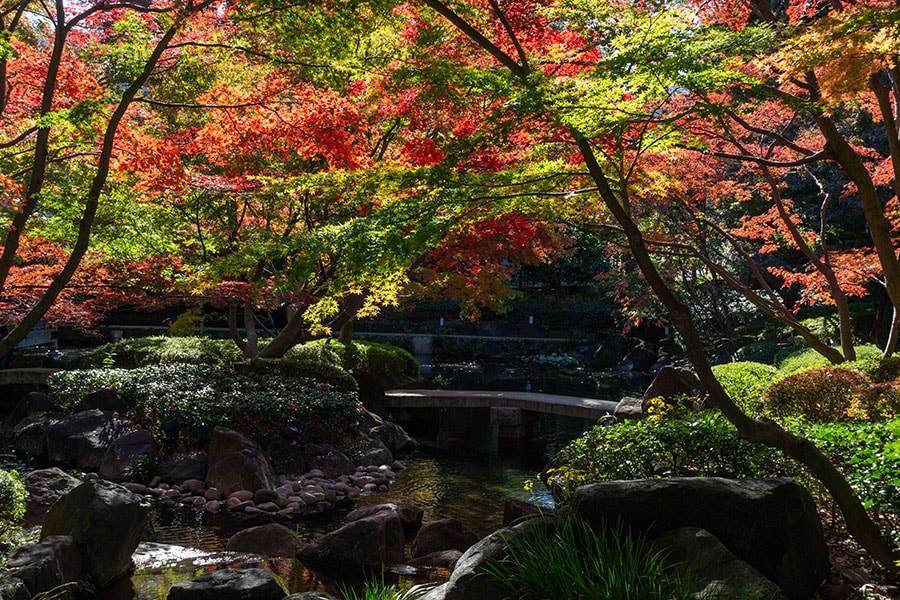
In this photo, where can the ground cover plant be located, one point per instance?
(12, 509)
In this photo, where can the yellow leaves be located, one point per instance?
(844, 50)
(10, 194)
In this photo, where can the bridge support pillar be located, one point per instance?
(515, 422)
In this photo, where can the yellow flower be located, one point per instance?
(529, 485)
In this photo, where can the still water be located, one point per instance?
(462, 469)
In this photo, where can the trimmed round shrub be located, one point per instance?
(794, 360)
(876, 402)
(887, 369)
(139, 352)
(746, 382)
(821, 395)
(300, 366)
(758, 352)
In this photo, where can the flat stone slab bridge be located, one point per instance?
(571, 406)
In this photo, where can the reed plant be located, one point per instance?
(568, 560)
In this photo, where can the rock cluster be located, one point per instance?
(311, 493)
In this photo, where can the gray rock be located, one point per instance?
(372, 453)
(106, 521)
(118, 461)
(515, 509)
(629, 407)
(32, 403)
(770, 523)
(446, 559)
(310, 596)
(469, 581)
(31, 436)
(229, 584)
(273, 539)
(713, 572)
(394, 438)
(364, 545)
(82, 439)
(443, 534)
(45, 487)
(181, 467)
(13, 588)
(237, 463)
(47, 564)
(327, 459)
(410, 516)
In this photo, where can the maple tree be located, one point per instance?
(71, 73)
(543, 57)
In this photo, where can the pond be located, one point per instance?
(463, 469)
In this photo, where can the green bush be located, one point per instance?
(69, 387)
(886, 369)
(199, 397)
(746, 382)
(299, 366)
(382, 360)
(12, 508)
(758, 352)
(12, 497)
(705, 445)
(568, 560)
(822, 395)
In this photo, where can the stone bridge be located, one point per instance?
(514, 412)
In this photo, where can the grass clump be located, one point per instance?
(567, 560)
(377, 589)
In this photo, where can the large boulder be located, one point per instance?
(772, 524)
(118, 462)
(46, 564)
(82, 439)
(272, 539)
(45, 487)
(106, 399)
(360, 546)
(106, 521)
(32, 403)
(31, 436)
(328, 459)
(469, 580)
(410, 516)
(710, 569)
(672, 383)
(181, 466)
(443, 534)
(237, 463)
(229, 584)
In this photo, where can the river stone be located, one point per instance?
(229, 584)
(13, 588)
(106, 522)
(181, 467)
(772, 524)
(713, 572)
(446, 559)
(629, 407)
(237, 463)
(82, 440)
(410, 516)
(118, 463)
(360, 546)
(47, 564)
(443, 534)
(273, 539)
(45, 487)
